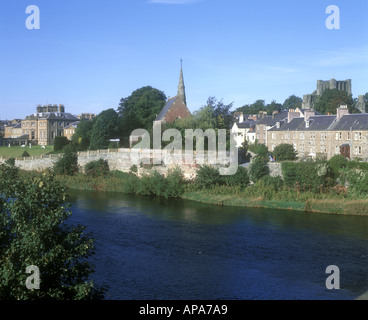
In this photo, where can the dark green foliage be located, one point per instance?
(357, 165)
(134, 168)
(67, 165)
(10, 162)
(285, 152)
(105, 127)
(276, 182)
(60, 142)
(312, 176)
(331, 99)
(293, 102)
(208, 176)
(260, 149)
(174, 183)
(258, 169)
(33, 232)
(139, 110)
(97, 168)
(70, 148)
(240, 178)
(25, 154)
(336, 163)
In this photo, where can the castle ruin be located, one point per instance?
(309, 100)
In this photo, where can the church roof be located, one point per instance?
(165, 109)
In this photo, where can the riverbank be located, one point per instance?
(226, 197)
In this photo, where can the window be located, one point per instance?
(348, 135)
(273, 135)
(337, 150)
(358, 150)
(359, 135)
(32, 135)
(302, 136)
(32, 124)
(302, 147)
(323, 149)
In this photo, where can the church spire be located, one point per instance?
(181, 87)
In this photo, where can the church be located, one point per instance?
(176, 107)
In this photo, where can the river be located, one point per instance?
(183, 250)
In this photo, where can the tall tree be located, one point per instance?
(105, 127)
(33, 232)
(139, 110)
(293, 102)
(331, 99)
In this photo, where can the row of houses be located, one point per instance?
(311, 133)
(42, 127)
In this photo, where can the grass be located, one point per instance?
(17, 151)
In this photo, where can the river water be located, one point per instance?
(183, 250)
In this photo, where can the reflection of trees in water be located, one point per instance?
(191, 211)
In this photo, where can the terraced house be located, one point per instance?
(326, 135)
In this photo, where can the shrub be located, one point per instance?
(208, 176)
(260, 149)
(258, 169)
(134, 168)
(307, 176)
(357, 165)
(174, 183)
(67, 165)
(240, 178)
(275, 182)
(284, 152)
(10, 162)
(97, 168)
(60, 142)
(336, 163)
(25, 154)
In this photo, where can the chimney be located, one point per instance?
(341, 111)
(309, 113)
(241, 117)
(274, 113)
(292, 114)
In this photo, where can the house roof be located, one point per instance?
(356, 121)
(272, 120)
(73, 125)
(165, 109)
(53, 116)
(246, 124)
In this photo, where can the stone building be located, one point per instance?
(70, 130)
(315, 135)
(266, 122)
(309, 100)
(243, 129)
(175, 108)
(42, 127)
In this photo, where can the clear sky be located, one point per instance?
(88, 55)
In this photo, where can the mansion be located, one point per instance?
(42, 127)
(311, 133)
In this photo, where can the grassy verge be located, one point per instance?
(227, 196)
(17, 151)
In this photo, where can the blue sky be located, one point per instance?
(88, 55)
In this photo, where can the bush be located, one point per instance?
(67, 165)
(284, 152)
(357, 165)
(336, 163)
(208, 176)
(97, 168)
(10, 162)
(25, 154)
(258, 169)
(240, 178)
(307, 176)
(260, 149)
(60, 142)
(174, 183)
(275, 182)
(134, 168)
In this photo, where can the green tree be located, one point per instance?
(293, 102)
(60, 142)
(33, 233)
(273, 106)
(258, 169)
(140, 109)
(82, 135)
(331, 99)
(284, 152)
(105, 126)
(67, 165)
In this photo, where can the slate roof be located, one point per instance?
(356, 121)
(73, 125)
(165, 109)
(53, 116)
(246, 124)
(271, 121)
